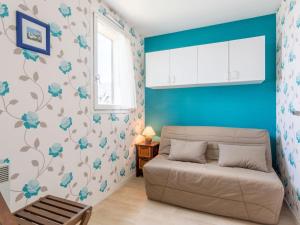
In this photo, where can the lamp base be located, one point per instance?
(148, 140)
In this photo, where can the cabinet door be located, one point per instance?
(213, 63)
(247, 60)
(158, 69)
(183, 66)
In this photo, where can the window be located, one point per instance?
(114, 83)
(105, 71)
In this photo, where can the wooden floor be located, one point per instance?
(130, 206)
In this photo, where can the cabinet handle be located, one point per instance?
(234, 75)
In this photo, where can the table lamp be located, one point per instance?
(148, 133)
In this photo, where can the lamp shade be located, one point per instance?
(148, 131)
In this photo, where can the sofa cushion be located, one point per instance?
(188, 151)
(249, 194)
(249, 157)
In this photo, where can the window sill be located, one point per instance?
(113, 108)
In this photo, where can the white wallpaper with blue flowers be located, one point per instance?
(288, 100)
(51, 137)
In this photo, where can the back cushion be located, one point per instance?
(215, 136)
(249, 157)
(188, 151)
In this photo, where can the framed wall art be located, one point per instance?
(33, 34)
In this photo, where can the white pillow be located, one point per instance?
(188, 151)
(249, 157)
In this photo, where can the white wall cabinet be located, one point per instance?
(158, 69)
(213, 63)
(183, 66)
(225, 63)
(247, 60)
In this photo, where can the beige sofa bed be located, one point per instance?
(235, 192)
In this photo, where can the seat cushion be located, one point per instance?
(253, 195)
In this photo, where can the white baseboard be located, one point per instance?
(293, 213)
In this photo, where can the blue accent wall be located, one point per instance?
(245, 106)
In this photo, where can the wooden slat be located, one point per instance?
(53, 209)
(46, 214)
(23, 222)
(34, 218)
(60, 205)
(65, 201)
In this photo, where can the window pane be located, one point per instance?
(105, 78)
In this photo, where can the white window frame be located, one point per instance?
(96, 106)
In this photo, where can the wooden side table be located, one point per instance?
(144, 153)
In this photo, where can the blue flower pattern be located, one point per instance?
(29, 55)
(82, 41)
(126, 154)
(132, 32)
(97, 164)
(65, 67)
(4, 161)
(55, 150)
(83, 143)
(66, 123)
(66, 180)
(132, 165)
(3, 10)
(298, 80)
(97, 118)
(292, 56)
(31, 189)
(55, 30)
(298, 22)
(65, 10)
(114, 156)
(4, 88)
(30, 120)
(103, 11)
(54, 90)
(287, 100)
(113, 117)
(292, 160)
(122, 172)
(292, 4)
(103, 142)
(103, 186)
(126, 119)
(83, 193)
(82, 92)
(122, 135)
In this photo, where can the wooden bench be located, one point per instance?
(48, 210)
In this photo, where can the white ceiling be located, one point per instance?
(155, 17)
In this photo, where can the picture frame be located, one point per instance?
(32, 34)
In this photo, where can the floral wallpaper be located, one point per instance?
(50, 136)
(288, 100)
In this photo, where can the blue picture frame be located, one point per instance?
(37, 36)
